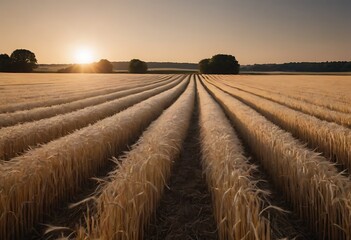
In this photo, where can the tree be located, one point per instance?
(137, 66)
(204, 66)
(23, 60)
(5, 63)
(301, 67)
(219, 64)
(103, 66)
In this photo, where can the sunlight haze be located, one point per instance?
(182, 31)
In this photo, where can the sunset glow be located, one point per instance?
(178, 31)
(84, 55)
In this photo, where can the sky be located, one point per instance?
(254, 31)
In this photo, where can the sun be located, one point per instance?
(84, 55)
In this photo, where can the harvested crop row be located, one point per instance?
(129, 199)
(313, 96)
(309, 182)
(323, 86)
(9, 119)
(72, 82)
(72, 92)
(308, 108)
(236, 199)
(78, 96)
(16, 139)
(38, 181)
(330, 138)
(57, 90)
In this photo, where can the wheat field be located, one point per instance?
(166, 156)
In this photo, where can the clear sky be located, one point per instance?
(255, 31)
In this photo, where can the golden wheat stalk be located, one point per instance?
(330, 138)
(318, 91)
(65, 91)
(130, 197)
(308, 108)
(236, 199)
(36, 182)
(311, 184)
(16, 139)
(9, 119)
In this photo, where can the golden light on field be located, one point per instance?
(174, 118)
(84, 55)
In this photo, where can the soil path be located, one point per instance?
(185, 210)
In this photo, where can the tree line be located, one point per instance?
(21, 60)
(341, 66)
(104, 66)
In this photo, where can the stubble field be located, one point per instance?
(122, 156)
